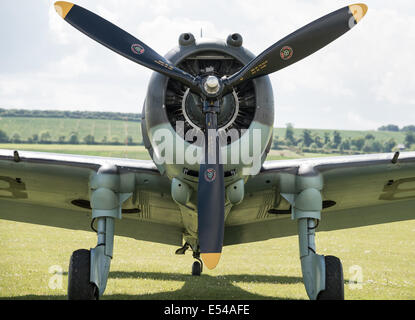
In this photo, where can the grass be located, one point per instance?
(132, 152)
(26, 127)
(379, 135)
(121, 129)
(263, 270)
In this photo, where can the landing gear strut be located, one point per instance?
(197, 266)
(89, 269)
(322, 275)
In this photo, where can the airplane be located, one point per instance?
(206, 89)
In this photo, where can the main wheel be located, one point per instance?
(196, 268)
(334, 280)
(79, 286)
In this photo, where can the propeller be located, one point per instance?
(299, 44)
(121, 42)
(211, 190)
(292, 48)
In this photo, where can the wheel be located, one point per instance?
(196, 268)
(334, 280)
(79, 287)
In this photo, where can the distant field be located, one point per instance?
(132, 152)
(27, 127)
(379, 135)
(117, 129)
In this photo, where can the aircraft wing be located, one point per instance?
(53, 190)
(358, 190)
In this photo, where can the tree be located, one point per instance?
(129, 140)
(369, 136)
(409, 139)
(3, 136)
(345, 145)
(367, 147)
(89, 139)
(318, 141)
(389, 127)
(409, 128)
(388, 145)
(326, 138)
(307, 139)
(35, 138)
(61, 139)
(73, 138)
(358, 142)
(377, 146)
(45, 137)
(16, 138)
(289, 135)
(337, 139)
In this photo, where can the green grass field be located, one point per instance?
(132, 152)
(26, 127)
(264, 270)
(379, 135)
(118, 129)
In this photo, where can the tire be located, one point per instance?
(79, 287)
(334, 280)
(196, 268)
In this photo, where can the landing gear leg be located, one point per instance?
(88, 270)
(322, 275)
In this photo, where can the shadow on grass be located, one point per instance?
(202, 287)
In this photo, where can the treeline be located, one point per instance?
(395, 128)
(70, 114)
(45, 137)
(333, 142)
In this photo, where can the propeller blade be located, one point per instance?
(121, 42)
(211, 199)
(299, 44)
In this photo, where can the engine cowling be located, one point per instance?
(247, 108)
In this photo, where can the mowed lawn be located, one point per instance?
(377, 260)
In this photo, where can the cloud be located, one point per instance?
(363, 79)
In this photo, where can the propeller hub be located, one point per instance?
(212, 85)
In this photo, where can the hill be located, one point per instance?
(107, 128)
(379, 135)
(107, 131)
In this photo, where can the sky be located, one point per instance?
(361, 81)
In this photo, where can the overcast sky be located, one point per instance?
(363, 80)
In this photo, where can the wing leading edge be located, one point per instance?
(54, 190)
(357, 191)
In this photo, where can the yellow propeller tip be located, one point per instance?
(358, 10)
(210, 260)
(63, 7)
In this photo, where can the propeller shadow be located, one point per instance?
(202, 287)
